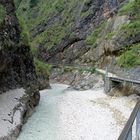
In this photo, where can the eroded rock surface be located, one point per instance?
(15, 106)
(77, 80)
(16, 71)
(16, 61)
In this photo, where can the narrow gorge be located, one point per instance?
(92, 33)
(54, 59)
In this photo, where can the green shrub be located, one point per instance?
(127, 8)
(132, 28)
(42, 68)
(93, 37)
(110, 35)
(86, 13)
(130, 57)
(132, 9)
(59, 5)
(50, 37)
(25, 38)
(91, 40)
(34, 50)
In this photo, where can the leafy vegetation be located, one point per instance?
(2, 13)
(42, 68)
(130, 57)
(91, 40)
(110, 35)
(132, 9)
(50, 37)
(25, 38)
(85, 11)
(86, 14)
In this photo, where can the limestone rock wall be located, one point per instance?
(16, 70)
(16, 61)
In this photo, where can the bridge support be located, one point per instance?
(107, 85)
(107, 82)
(110, 84)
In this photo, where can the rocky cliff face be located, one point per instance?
(100, 33)
(16, 70)
(64, 29)
(16, 62)
(116, 42)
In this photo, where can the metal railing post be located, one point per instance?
(107, 86)
(129, 135)
(106, 73)
(138, 125)
(127, 131)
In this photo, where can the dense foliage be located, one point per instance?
(131, 56)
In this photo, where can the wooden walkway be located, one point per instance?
(119, 79)
(59, 65)
(110, 79)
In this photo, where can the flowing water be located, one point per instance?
(77, 115)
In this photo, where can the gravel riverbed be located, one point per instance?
(65, 114)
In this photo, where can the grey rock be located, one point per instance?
(78, 80)
(15, 107)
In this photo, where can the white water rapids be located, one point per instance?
(77, 115)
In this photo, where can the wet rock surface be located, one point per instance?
(15, 108)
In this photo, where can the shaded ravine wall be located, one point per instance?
(16, 70)
(16, 61)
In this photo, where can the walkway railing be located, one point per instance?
(131, 130)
